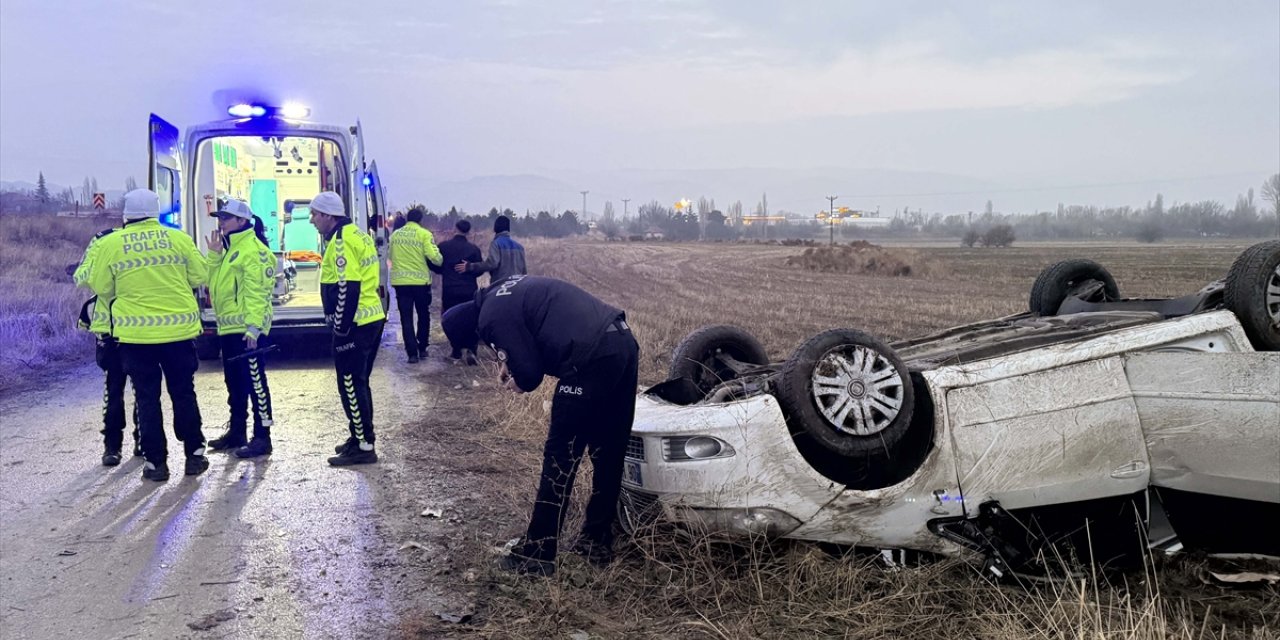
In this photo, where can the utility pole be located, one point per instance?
(584, 205)
(624, 208)
(831, 219)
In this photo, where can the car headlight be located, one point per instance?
(695, 448)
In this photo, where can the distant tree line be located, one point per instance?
(44, 200)
(541, 224)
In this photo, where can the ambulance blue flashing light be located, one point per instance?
(290, 110)
(368, 182)
(247, 110)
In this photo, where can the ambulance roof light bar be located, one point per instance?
(290, 110)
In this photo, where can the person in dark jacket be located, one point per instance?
(458, 287)
(547, 327)
(506, 256)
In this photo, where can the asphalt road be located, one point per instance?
(278, 547)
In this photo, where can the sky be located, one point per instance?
(1035, 102)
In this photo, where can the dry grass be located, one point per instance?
(672, 586)
(40, 305)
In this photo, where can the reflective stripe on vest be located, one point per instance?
(156, 321)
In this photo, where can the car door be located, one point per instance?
(1212, 427)
(1211, 421)
(165, 171)
(1059, 435)
(378, 229)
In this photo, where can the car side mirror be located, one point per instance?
(71, 268)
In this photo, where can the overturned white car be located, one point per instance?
(1072, 423)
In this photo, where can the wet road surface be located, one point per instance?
(277, 547)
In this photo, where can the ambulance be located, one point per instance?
(276, 160)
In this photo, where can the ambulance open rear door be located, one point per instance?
(165, 171)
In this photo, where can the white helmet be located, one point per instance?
(140, 204)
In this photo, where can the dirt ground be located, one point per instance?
(288, 547)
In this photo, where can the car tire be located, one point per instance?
(207, 348)
(864, 400)
(1060, 280)
(1252, 292)
(695, 356)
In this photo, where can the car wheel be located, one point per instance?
(1057, 282)
(207, 347)
(848, 391)
(698, 355)
(1252, 292)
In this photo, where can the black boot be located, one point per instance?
(517, 563)
(259, 446)
(111, 456)
(158, 472)
(596, 553)
(196, 465)
(354, 455)
(351, 441)
(231, 439)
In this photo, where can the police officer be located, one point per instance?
(349, 291)
(95, 317)
(241, 278)
(543, 326)
(412, 249)
(147, 271)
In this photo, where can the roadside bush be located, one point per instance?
(1149, 231)
(1000, 235)
(970, 237)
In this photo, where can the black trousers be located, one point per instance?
(353, 357)
(176, 364)
(246, 380)
(410, 298)
(449, 299)
(107, 355)
(591, 414)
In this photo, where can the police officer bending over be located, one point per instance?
(349, 291)
(543, 326)
(147, 271)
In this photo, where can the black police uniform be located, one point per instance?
(107, 356)
(543, 326)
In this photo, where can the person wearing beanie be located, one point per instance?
(349, 283)
(413, 250)
(505, 259)
(241, 278)
(547, 327)
(455, 287)
(147, 272)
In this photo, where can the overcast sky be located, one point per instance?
(1019, 94)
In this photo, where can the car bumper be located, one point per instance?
(764, 488)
